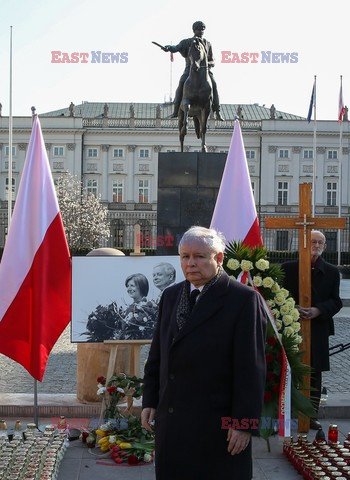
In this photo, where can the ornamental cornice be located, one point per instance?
(157, 148)
(71, 146)
(48, 146)
(105, 148)
(272, 149)
(131, 148)
(296, 149)
(346, 150)
(212, 148)
(320, 149)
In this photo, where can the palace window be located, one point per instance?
(92, 152)
(308, 154)
(282, 240)
(118, 191)
(58, 151)
(92, 186)
(250, 154)
(144, 191)
(118, 152)
(144, 153)
(282, 193)
(7, 188)
(283, 153)
(332, 154)
(7, 151)
(331, 194)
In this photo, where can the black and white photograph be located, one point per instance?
(116, 298)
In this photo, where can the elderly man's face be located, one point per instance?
(161, 278)
(199, 264)
(318, 244)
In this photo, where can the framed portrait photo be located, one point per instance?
(116, 298)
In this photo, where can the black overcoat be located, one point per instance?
(325, 280)
(213, 367)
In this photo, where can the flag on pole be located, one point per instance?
(312, 102)
(35, 271)
(341, 108)
(235, 213)
(171, 56)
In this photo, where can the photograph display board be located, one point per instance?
(116, 298)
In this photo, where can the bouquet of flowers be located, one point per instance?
(139, 320)
(122, 435)
(252, 266)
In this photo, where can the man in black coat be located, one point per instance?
(325, 301)
(206, 369)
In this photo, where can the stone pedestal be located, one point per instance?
(92, 358)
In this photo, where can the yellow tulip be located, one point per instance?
(125, 445)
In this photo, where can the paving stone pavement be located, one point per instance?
(60, 374)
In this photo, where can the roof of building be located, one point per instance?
(252, 112)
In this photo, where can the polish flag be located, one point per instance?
(35, 270)
(341, 108)
(235, 213)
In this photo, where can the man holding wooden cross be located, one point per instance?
(325, 303)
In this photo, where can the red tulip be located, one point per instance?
(271, 341)
(133, 460)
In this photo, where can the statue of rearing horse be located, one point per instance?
(197, 96)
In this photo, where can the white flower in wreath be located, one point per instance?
(268, 282)
(233, 277)
(284, 292)
(296, 326)
(276, 313)
(298, 339)
(271, 303)
(288, 331)
(290, 301)
(295, 314)
(257, 281)
(112, 439)
(246, 265)
(285, 309)
(233, 264)
(144, 319)
(278, 324)
(280, 298)
(287, 320)
(275, 288)
(262, 264)
(101, 390)
(120, 390)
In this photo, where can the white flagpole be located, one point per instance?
(9, 179)
(340, 167)
(314, 157)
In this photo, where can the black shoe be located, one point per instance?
(315, 424)
(219, 117)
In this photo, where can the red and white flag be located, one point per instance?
(341, 108)
(235, 213)
(35, 270)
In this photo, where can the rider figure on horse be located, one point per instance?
(183, 47)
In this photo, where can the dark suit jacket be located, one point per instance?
(325, 280)
(213, 367)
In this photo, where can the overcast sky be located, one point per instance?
(315, 31)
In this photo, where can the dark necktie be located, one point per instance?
(193, 297)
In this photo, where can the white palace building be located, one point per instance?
(114, 149)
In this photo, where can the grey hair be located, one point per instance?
(323, 235)
(209, 237)
(168, 267)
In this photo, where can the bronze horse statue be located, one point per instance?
(197, 96)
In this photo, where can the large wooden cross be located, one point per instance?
(305, 223)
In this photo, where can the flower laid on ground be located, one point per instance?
(267, 278)
(122, 434)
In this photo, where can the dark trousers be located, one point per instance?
(316, 385)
